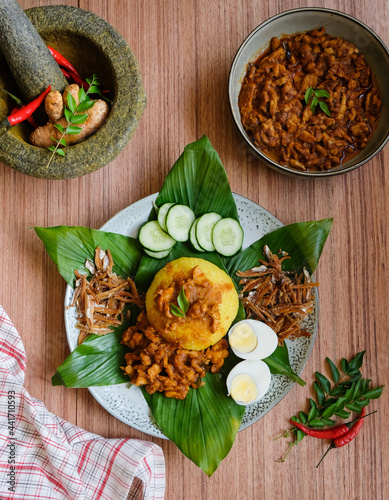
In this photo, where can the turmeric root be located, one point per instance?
(43, 136)
(54, 106)
(73, 90)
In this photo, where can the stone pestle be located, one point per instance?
(26, 54)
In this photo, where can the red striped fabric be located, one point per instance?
(44, 457)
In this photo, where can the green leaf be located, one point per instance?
(320, 393)
(203, 425)
(308, 94)
(95, 362)
(304, 241)
(353, 407)
(89, 81)
(328, 412)
(176, 311)
(374, 393)
(51, 148)
(79, 118)
(328, 421)
(182, 301)
(81, 97)
(93, 89)
(342, 414)
(60, 152)
(316, 423)
(322, 93)
(59, 127)
(303, 417)
(312, 414)
(278, 362)
(63, 141)
(356, 363)
(363, 402)
(337, 391)
(358, 389)
(72, 129)
(314, 102)
(85, 105)
(340, 404)
(72, 105)
(325, 383)
(334, 371)
(312, 402)
(68, 114)
(300, 435)
(70, 246)
(324, 107)
(344, 365)
(199, 180)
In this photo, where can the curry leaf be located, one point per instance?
(177, 311)
(183, 303)
(334, 370)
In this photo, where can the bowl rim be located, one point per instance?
(271, 163)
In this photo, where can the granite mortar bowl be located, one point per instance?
(93, 46)
(337, 24)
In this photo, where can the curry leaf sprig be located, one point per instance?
(348, 392)
(74, 116)
(183, 305)
(313, 96)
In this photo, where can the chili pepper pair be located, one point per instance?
(340, 435)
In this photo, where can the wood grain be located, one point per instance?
(185, 49)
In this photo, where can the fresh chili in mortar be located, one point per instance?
(23, 113)
(19, 103)
(62, 61)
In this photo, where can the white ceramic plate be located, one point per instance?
(127, 403)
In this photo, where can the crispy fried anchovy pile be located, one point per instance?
(279, 298)
(101, 299)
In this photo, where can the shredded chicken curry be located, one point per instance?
(284, 127)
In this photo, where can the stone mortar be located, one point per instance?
(93, 46)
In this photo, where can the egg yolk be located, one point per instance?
(243, 388)
(243, 338)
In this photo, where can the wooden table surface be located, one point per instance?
(185, 49)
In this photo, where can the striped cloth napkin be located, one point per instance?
(44, 457)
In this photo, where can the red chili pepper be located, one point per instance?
(62, 61)
(66, 74)
(348, 436)
(23, 113)
(331, 433)
(31, 120)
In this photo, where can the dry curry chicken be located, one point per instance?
(285, 127)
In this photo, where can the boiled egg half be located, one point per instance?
(251, 339)
(248, 381)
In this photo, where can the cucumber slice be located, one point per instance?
(192, 236)
(162, 211)
(204, 230)
(227, 237)
(157, 255)
(153, 238)
(179, 220)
